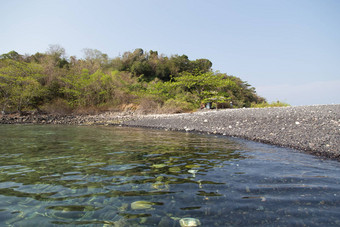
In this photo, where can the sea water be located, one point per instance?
(116, 176)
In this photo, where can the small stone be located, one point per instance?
(189, 222)
(175, 169)
(141, 205)
(297, 123)
(191, 166)
(158, 166)
(193, 172)
(205, 120)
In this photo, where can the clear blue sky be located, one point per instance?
(288, 50)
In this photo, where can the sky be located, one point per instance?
(288, 50)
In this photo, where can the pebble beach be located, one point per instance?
(313, 129)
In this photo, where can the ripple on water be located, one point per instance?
(57, 175)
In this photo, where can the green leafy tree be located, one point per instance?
(195, 88)
(19, 84)
(164, 90)
(207, 87)
(137, 78)
(241, 93)
(87, 89)
(203, 65)
(13, 55)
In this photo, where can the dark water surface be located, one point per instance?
(112, 176)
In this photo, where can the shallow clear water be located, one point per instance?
(97, 176)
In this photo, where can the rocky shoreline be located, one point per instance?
(313, 129)
(100, 119)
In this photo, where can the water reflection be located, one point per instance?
(134, 177)
(64, 174)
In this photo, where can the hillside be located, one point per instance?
(138, 81)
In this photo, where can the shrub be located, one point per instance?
(58, 106)
(177, 106)
(148, 105)
(272, 104)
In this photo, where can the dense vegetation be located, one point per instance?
(139, 81)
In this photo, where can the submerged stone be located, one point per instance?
(160, 185)
(158, 166)
(175, 169)
(192, 166)
(193, 172)
(189, 222)
(140, 205)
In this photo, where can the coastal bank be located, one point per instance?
(313, 129)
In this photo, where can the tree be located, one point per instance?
(207, 87)
(19, 84)
(241, 93)
(195, 88)
(58, 54)
(179, 64)
(95, 56)
(13, 55)
(87, 89)
(203, 65)
(97, 81)
(56, 50)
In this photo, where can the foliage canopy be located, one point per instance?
(137, 80)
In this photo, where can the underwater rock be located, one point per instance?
(158, 166)
(189, 222)
(193, 172)
(140, 205)
(175, 169)
(192, 166)
(159, 185)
